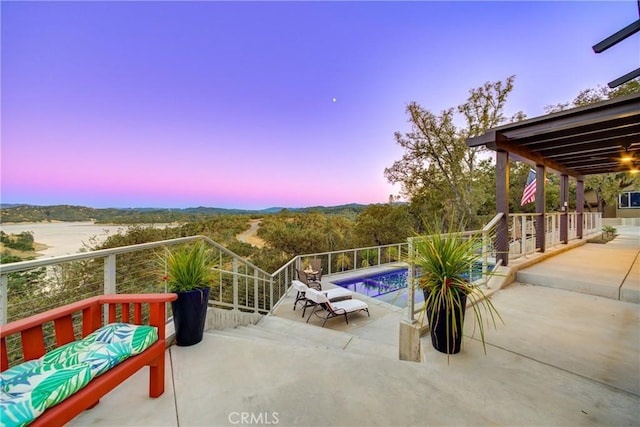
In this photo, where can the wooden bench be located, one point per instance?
(33, 346)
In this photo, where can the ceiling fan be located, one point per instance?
(628, 158)
(628, 155)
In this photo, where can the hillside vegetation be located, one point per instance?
(30, 213)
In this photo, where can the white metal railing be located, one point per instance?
(341, 261)
(522, 230)
(29, 287)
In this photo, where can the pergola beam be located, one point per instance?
(617, 37)
(538, 159)
(622, 80)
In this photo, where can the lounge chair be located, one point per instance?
(316, 265)
(304, 278)
(333, 309)
(336, 294)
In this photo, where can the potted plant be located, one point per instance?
(443, 264)
(189, 275)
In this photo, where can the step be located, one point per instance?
(252, 331)
(327, 338)
(300, 334)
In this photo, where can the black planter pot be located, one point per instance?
(439, 339)
(189, 314)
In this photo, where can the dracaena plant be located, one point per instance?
(444, 264)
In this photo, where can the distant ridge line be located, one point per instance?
(22, 212)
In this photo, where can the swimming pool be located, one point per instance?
(391, 286)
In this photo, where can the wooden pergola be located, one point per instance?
(599, 138)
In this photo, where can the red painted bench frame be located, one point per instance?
(33, 347)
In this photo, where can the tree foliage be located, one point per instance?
(295, 233)
(382, 225)
(605, 186)
(438, 171)
(21, 242)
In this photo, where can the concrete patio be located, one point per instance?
(562, 357)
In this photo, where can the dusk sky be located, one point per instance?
(231, 104)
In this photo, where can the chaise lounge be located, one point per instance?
(336, 294)
(333, 309)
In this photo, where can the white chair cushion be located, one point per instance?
(299, 286)
(336, 293)
(349, 305)
(315, 296)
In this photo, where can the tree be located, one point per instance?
(382, 225)
(593, 95)
(304, 233)
(605, 186)
(438, 171)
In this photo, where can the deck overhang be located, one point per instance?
(599, 138)
(594, 139)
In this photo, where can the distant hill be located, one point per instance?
(32, 213)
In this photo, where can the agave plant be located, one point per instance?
(444, 264)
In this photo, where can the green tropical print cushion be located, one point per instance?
(28, 389)
(29, 394)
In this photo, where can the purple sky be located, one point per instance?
(227, 104)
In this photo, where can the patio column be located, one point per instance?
(541, 206)
(502, 206)
(580, 207)
(564, 208)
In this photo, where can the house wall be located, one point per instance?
(628, 213)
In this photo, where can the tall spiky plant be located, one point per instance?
(444, 263)
(188, 268)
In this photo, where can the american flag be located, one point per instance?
(529, 193)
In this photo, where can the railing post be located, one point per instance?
(109, 281)
(110, 274)
(4, 288)
(355, 259)
(256, 292)
(523, 236)
(485, 257)
(329, 265)
(271, 291)
(411, 297)
(234, 264)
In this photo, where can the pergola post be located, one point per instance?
(541, 206)
(580, 208)
(502, 206)
(564, 207)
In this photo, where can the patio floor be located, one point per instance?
(561, 358)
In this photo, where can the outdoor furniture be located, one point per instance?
(336, 294)
(316, 266)
(304, 278)
(92, 365)
(333, 309)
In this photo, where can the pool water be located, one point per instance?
(391, 286)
